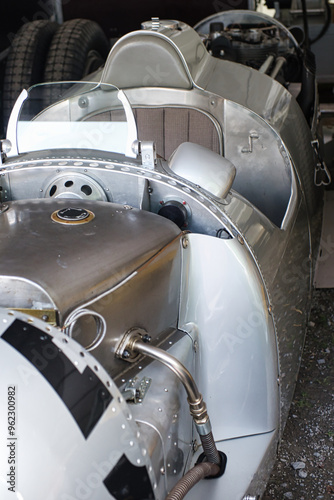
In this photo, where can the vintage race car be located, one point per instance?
(157, 239)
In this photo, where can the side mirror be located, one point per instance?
(203, 167)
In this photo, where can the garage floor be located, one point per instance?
(324, 272)
(304, 468)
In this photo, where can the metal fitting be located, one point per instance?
(125, 349)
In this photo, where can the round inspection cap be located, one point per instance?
(72, 215)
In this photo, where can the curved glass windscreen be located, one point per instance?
(75, 115)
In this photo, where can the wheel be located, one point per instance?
(78, 48)
(25, 61)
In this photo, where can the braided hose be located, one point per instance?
(210, 449)
(193, 476)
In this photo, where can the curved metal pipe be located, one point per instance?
(192, 477)
(173, 364)
(197, 406)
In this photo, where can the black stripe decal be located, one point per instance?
(85, 396)
(129, 482)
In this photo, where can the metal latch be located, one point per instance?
(134, 391)
(322, 176)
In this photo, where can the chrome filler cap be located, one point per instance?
(72, 215)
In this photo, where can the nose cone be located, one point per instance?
(66, 431)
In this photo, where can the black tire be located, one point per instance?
(25, 61)
(78, 48)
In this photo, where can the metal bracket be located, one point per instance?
(322, 176)
(135, 392)
(147, 151)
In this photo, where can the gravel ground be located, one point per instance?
(305, 466)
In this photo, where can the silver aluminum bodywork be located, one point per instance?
(227, 294)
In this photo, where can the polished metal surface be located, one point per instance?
(78, 272)
(237, 345)
(217, 81)
(226, 295)
(157, 283)
(251, 146)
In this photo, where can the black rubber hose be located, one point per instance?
(193, 476)
(305, 24)
(306, 97)
(326, 24)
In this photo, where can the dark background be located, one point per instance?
(115, 17)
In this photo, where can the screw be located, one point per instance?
(126, 354)
(146, 338)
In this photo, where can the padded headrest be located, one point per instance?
(146, 59)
